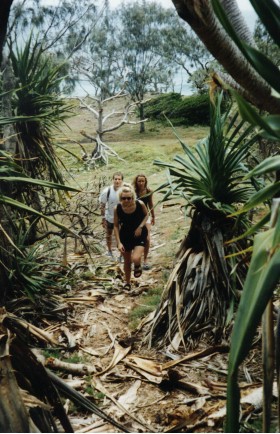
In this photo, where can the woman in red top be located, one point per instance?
(143, 192)
(130, 217)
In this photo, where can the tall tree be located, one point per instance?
(183, 48)
(60, 29)
(141, 49)
(61, 26)
(98, 64)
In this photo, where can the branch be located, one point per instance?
(91, 109)
(73, 368)
(122, 123)
(88, 136)
(200, 16)
(125, 120)
(63, 31)
(120, 94)
(237, 20)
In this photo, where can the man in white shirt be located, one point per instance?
(108, 199)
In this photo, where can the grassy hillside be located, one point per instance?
(137, 151)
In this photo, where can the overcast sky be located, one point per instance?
(244, 5)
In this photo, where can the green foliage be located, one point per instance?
(187, 111)
(261, 280)
(262, 64)
(209, 177)
(165, 103)
(140, 47)
(12, 173)
(90, 390)
(147, 303)
(192, 110)
(38, 109)
(265, 43)
(75, 358)
(32, 272)
(51, 352)
(209, 181)
(263, 275)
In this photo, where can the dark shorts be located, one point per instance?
(129, 240)
(110, 225)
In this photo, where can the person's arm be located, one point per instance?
(151, 206)
(117, 232)
(103, 201)
(138, 230)
(102, 210)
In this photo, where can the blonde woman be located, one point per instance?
(130, 217)
(143, 192)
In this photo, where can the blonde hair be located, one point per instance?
(127, 188)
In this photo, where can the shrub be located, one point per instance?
(189, 110)
(192, 110)
(155, 108)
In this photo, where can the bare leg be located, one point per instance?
(136, 255)
(127, 266)
(109, 238)
(147, 246)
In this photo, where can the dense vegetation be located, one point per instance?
(33, 194)
(180, 110)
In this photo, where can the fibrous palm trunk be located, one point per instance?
(7, 144)
(197, 296)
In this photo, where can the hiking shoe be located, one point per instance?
(110, 255)
(146, 267)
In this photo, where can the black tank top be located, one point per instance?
(145, 198)
(130, 222)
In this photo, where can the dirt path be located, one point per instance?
(132, 382)
(144, 389)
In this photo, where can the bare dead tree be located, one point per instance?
(105, 124)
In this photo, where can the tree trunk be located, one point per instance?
(141, 114)
(197, 296)
(4, 18)
(200, 16)
(8, 144)
(9, 134)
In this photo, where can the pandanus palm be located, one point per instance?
(39, 110)
(201, 288)
(25, 195)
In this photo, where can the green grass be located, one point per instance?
(146, 304)
(74, 358)
(98, 396)
(55, 353)
(138, 150)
